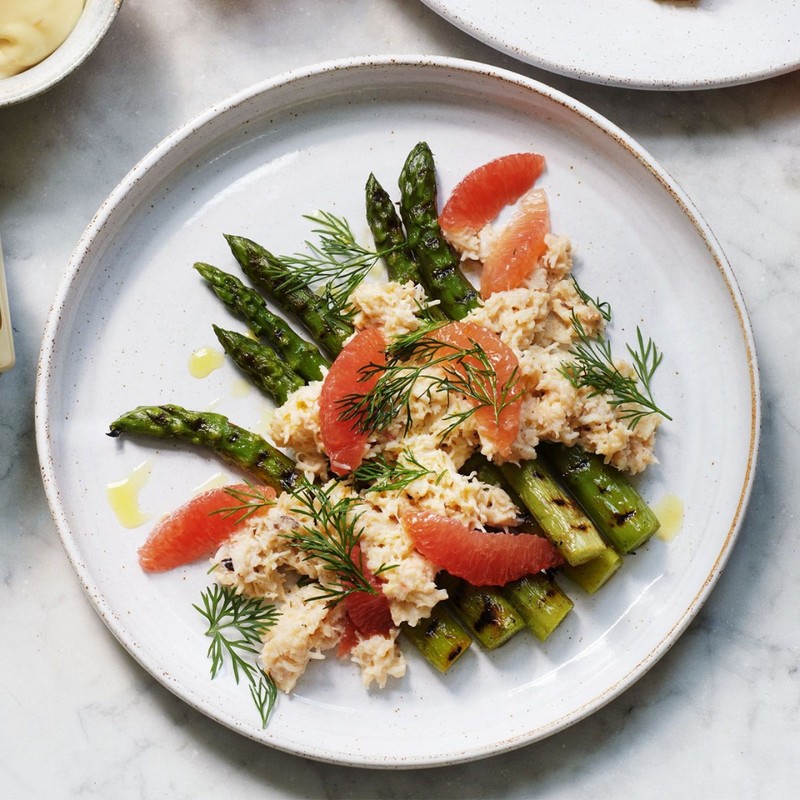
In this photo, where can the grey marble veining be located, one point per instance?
(716, 717)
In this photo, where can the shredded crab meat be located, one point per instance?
(536, 322)
(305, 629)
(391, 307)
(259, 561)
(379, 658)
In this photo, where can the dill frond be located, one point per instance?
(593, 368)
(248, 502)
(235, 626)
(382, 475)
(332, 536)
(335, 265)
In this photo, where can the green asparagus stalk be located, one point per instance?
(559, 516)
(438, 264)
(485, 612)
(440, 638)
(274, 377)
(236, 445)
(326, 325)
(387, 231)
(594, 574)
(540, 601)
(589, 576)
(538, 598)
(247, 304)
(613, 504)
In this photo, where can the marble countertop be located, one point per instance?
(716, 717)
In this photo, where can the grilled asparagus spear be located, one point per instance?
(559, 516)
(273, 376)
(440, 638)
(327, 326)
(540, 601)
(248, 305)
(387, 231)
(614, 505)
(438, 264)
(238, 446)
(485, 612)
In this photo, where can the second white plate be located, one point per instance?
(645, 44)
(132, 311)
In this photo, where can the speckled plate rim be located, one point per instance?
(91, 27)
(121, 196)
(448, 10)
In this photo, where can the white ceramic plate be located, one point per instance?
(132, 311)
(646, 44)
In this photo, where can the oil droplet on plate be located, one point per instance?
(241, 388)
(123, 496)
(204, 361)
(262, 427)
(214, 482)
(669, 510)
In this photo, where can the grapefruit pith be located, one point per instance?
(343, 442)
(482, 559)
(196, 529)
(481, 195)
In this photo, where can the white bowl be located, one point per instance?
(92, 25)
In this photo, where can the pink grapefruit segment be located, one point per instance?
(482, 559)
(348, 640)
(369, 613)
(483, 193)
(519, 247)
(500, 428)
(196, 529)
(344, 444)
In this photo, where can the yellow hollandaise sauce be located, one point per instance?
(30, 30)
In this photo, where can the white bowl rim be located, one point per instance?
(95, 19)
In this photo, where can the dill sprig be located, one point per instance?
(464, 370)
(403, 346)
(603, 307)
(336, 265)
(332, 536)
(382, 475)
(593, 368)
(248, 502)
(476, 378)
(235, 626)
